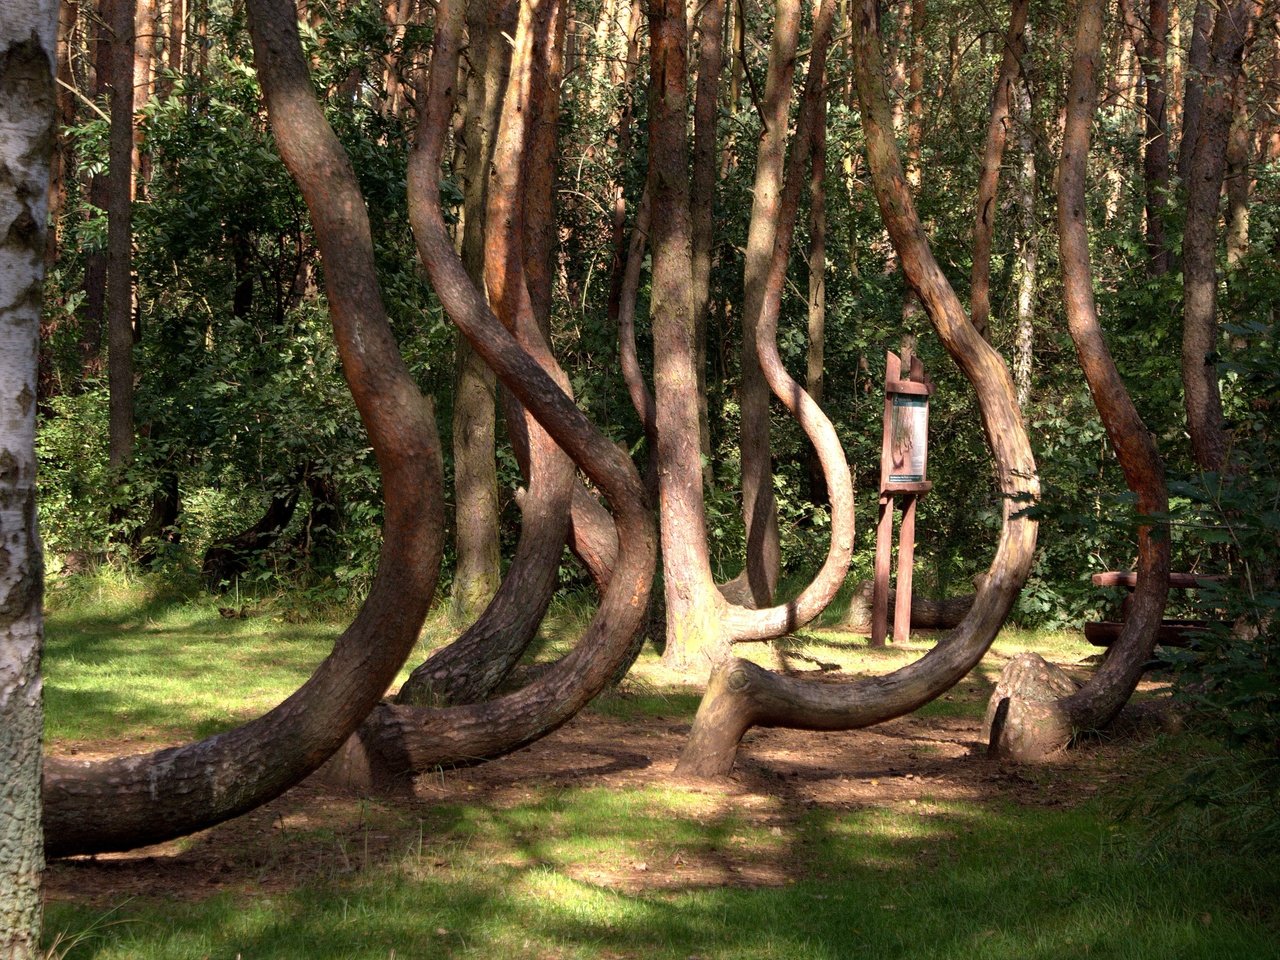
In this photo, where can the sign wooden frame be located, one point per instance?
(904, 458)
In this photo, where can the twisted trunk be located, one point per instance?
(126, 802)
(740, 694)
(398, 740)
(1027, 730)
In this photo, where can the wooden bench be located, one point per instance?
(1171, 633)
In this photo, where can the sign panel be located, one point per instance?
(908, 438)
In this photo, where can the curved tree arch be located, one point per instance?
(742, 694)
(471, 667)
(399, 740)
(1027, 730)
(127, 802)
(702, 623)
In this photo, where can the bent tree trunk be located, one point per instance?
(742, 695)
(478, 569)
(227, 559)
(984, 223)
(1027, 730)
(701, 623)
(759, 508)
(397, 741)
(473, 666)
(127, 802)
(27, 65)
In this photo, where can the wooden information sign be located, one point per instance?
(904, 458)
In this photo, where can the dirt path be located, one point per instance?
(313, 832)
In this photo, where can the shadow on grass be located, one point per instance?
(669, 872)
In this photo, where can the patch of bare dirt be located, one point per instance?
(313, 833)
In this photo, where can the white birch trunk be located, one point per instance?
(28, 29)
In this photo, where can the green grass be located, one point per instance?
(123, 658)
(585, 872)
(541, 879)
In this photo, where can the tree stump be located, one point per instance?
(1023, 721)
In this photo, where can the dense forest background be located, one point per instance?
(240, 433)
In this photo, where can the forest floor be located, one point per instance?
(902, 840)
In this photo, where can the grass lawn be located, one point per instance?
(896, 842)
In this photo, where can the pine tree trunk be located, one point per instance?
(1200, 278)
(120, 235)
(817, 286)
(760, 510)
(478, 571)
(993, 157)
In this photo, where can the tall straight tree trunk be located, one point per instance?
(1155, 154)
(1197, 68)
(28, 63)
(146, 27)
(984, 223)
(93, 313)
(478, 570)
(737, 53)
(915, 92)
(120, 235)
(1028, 248)
(63, 157)
(694, 633)
(702, 199)
(1199, 244)
(1150, 39)
(1239, 147)
(175, 40)
(760, 510)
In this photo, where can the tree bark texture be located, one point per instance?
(701, 623)
(478, 570)
(399, 740)
(694, 634)
(471, 667)
(1032, 732)
(28, 62)
(92, 315)
(759, 508)
(702, 200)
(1202, 25)
(131, 801)
(1239, 148)
(740, 694)
(984, 223)
(120, 235)
(1199, 245)
(1151, 43)
(915, 92)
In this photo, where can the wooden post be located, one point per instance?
(880, 592)
(903, 459)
